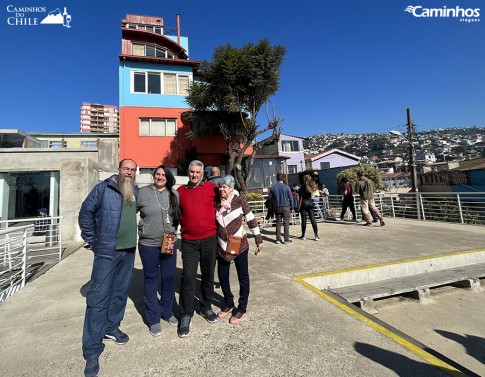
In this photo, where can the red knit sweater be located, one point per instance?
(198, 214)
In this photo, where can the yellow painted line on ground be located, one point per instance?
(390, 263)
(431, 359)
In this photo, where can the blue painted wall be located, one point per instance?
(149, 100)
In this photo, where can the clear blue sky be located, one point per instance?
(350, 67)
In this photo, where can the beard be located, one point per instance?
(127, 189)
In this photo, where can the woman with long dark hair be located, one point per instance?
(307, 207)
(159, 213)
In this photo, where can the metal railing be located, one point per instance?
(13, 256)
(25, 246)
(44, 238)
(457, 207)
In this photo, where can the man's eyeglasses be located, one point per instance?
(124, 168)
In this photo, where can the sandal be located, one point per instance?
(225, 312)
(236, 318)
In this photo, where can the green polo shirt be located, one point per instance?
(126, 237)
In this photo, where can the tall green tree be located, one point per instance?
(237, 82)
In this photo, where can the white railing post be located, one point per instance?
(421, 207)
(24, 257)
(459, 207)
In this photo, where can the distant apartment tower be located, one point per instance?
(99, 118)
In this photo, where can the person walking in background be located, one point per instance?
(296, 199)
(280, 193)
(324, 194)
(107, 219)
(307, 206)
(199, 245)
(231, 210)
(365, 189)
(347, 200)
(159, 214)
(315, 196)
(215, 175)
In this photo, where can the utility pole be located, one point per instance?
(412, 161)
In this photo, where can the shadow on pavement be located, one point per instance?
(474, 345)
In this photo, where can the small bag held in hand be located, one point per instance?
(167, 243)
(233, 245)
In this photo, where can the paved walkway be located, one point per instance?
(289, 330)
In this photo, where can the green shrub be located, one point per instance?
(252, 197)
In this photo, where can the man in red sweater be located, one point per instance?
(199, 245)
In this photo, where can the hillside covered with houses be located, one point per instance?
(438, 145)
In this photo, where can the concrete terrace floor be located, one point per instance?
(289, 330)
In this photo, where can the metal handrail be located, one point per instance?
(13, 251)
(456, 207)
(45, 240)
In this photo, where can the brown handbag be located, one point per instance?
(233, 245)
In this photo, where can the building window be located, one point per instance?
(89, 144)
(183, 85)
(151, 83)
(154, 85)
(324, 165)
(169, 83)
(289, 146)
(151, 28)
(57, 143)
(292, 169)
(139, 82)
(139, 49)
(157, 127)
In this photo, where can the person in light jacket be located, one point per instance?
(231, 210)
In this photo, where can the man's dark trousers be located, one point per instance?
(193, 252)
(283, 213)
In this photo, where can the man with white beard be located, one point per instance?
(108, 224)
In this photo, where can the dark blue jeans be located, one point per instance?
(193, 252)
(155, 265)
(106, 298)
(223, 267)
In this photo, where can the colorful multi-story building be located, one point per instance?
(155, 73)
(98, 118)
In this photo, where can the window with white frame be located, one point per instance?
(157, 127)
(153, 82)
(57, 143)
(292, 169)
(151, 28)
(324, 165)
(140, 49)
(183, 82)
(290, 146)
(169, 83)
(89, 144)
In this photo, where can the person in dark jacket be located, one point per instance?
(347, 199)
(108, 224)
(280, 193)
